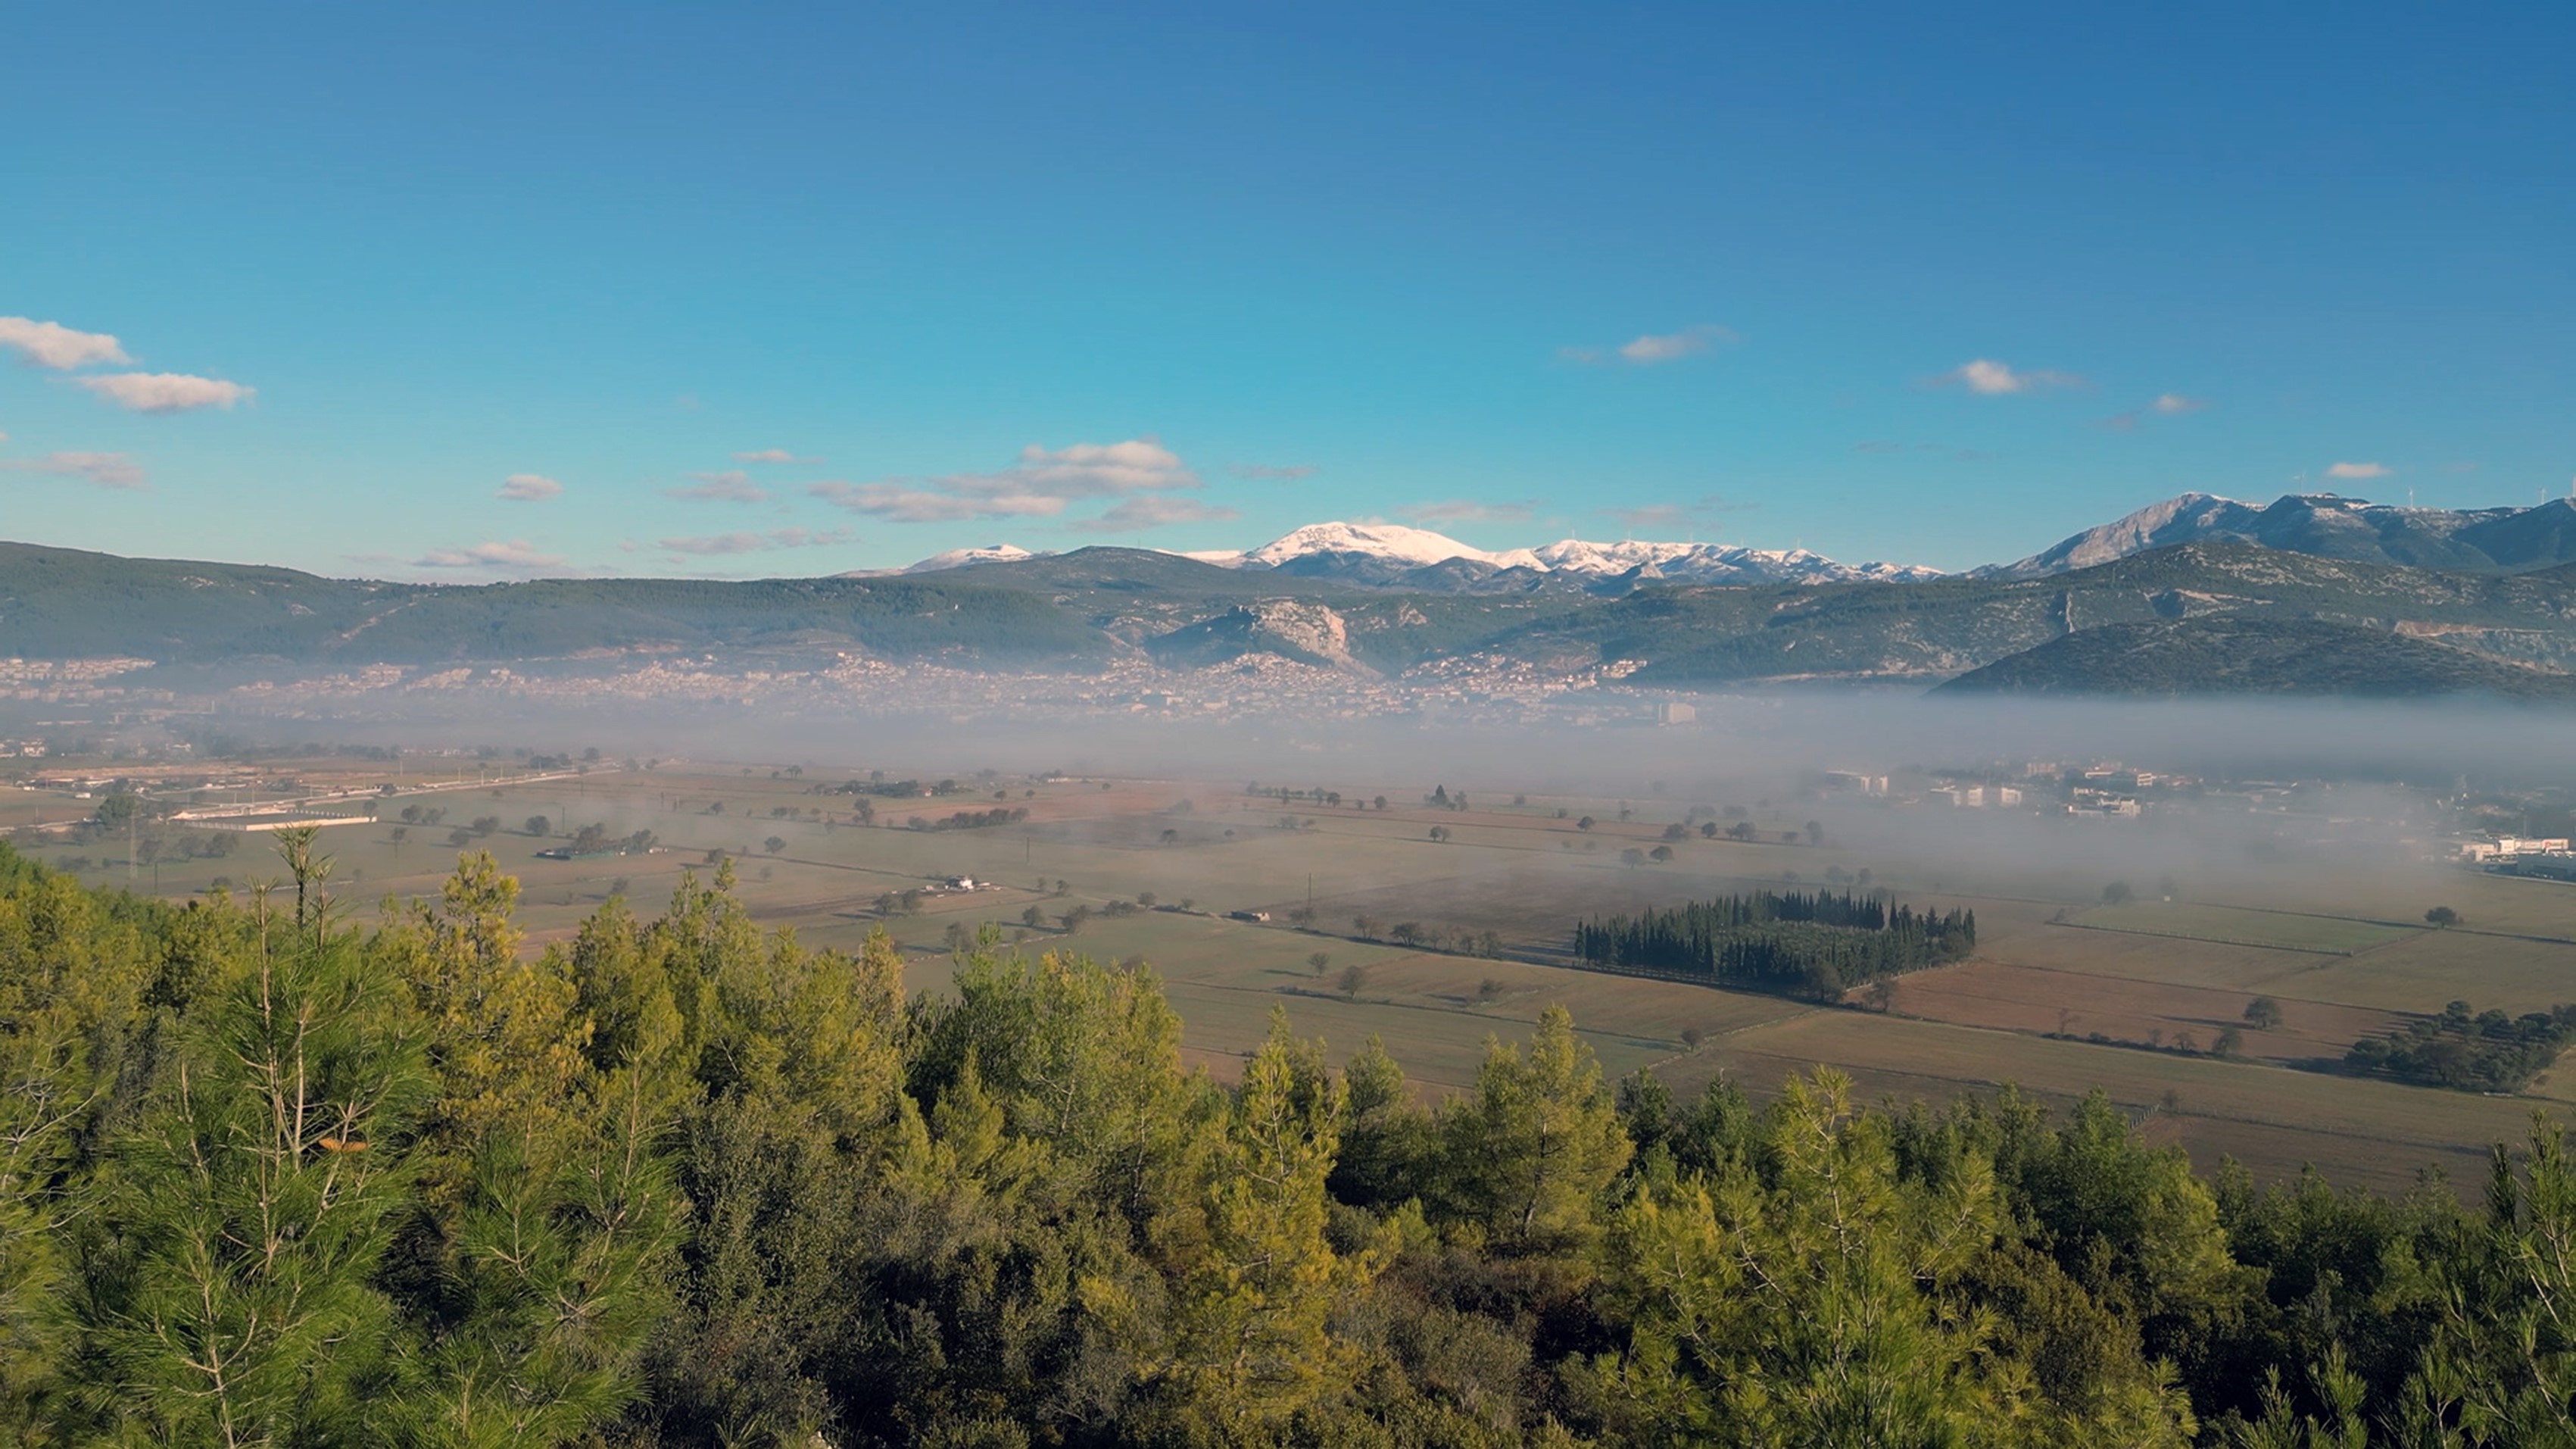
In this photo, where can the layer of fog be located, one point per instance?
(2367, 804)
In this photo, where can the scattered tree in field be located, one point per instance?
(1708, 830)
(1072, 920)
(1632, 856)
(2442, 918)
(1302, 917)
(1586, 823)
(1741, 830)
(1033, 917)
(1354, 979)
(1691, 1038)
(2117, 893)
(1815, 832)
(2263, 1013)
(1318, 961)
(1489, 989)
(715, 855)
(1145, 900)
(2230, 1041)
(1439, 833)
(398, 835)
(1677, 831)
(539, 825)
(1660, 854)
(1406, 933)
(1365, 927)
(774, 844)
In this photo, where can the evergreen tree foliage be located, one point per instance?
(269, 1178)
(1817, 944)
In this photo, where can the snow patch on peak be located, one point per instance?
(2179, 519)
(1578, 558)
(1392, 541)
(958, 558)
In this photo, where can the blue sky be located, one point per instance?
(1189, 276)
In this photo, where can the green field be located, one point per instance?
(2334, 948)
(2233, 926)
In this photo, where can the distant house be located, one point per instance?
(1256, 917)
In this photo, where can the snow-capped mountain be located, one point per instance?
(1390, 542)
(955, 558)
(1714, 563)
(2484, 540)
(1392, 555)
(958, 558)
(1386, 553)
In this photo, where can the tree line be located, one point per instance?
(1805, 943)
(2489, 1051)
(270, 1175)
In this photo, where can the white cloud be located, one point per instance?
(1266, 474)
(1154, 511)
(102, 470)
(734, 486)
(1467, 510)
(772, 455)
(2357, 471)
(1082, 470)
(529, 488)
(2174, 404)
(907, 503)
(1651, 348)
(725, 543)
(165, 392)
(51, 344)
(1039, 485)
(1994, 379)
(516, 555)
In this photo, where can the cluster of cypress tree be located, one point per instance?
(271, 1178)
(1818, 943)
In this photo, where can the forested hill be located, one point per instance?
(270, 1178)
(2238, 654)
(1088, 609)
(59, 603)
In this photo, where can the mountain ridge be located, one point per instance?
(2327, 525)
(1100, 608)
